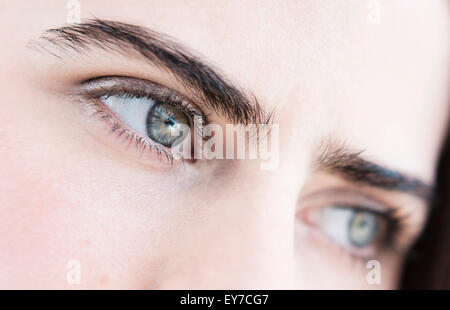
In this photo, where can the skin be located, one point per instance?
(69, 191)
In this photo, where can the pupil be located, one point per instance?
(170, 122)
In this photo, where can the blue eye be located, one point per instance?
(161, 122)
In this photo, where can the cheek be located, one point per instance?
(59, 203)
(30, 213)
(50, 213)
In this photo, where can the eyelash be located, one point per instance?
(133, 88)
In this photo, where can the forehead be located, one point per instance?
(374, 73)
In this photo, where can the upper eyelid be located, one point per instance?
(364, 208)
(347, 194)
(98, 85)
(115, 85)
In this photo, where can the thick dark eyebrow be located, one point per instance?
(203, 82)
(353, 167)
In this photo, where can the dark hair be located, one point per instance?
(428, 264)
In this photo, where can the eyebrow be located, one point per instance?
(352, 167)
(202, 81)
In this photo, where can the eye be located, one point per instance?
(358, 223)
(144, 114)
(351, 227)
(359, 230)
(159, 121)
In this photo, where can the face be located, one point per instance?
(92, 195)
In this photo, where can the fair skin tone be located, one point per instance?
(71, 189)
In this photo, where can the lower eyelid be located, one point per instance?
(316, 239)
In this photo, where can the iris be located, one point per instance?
(362, 228)
(164, 123)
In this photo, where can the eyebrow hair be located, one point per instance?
(353, 167)
(203, 82)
